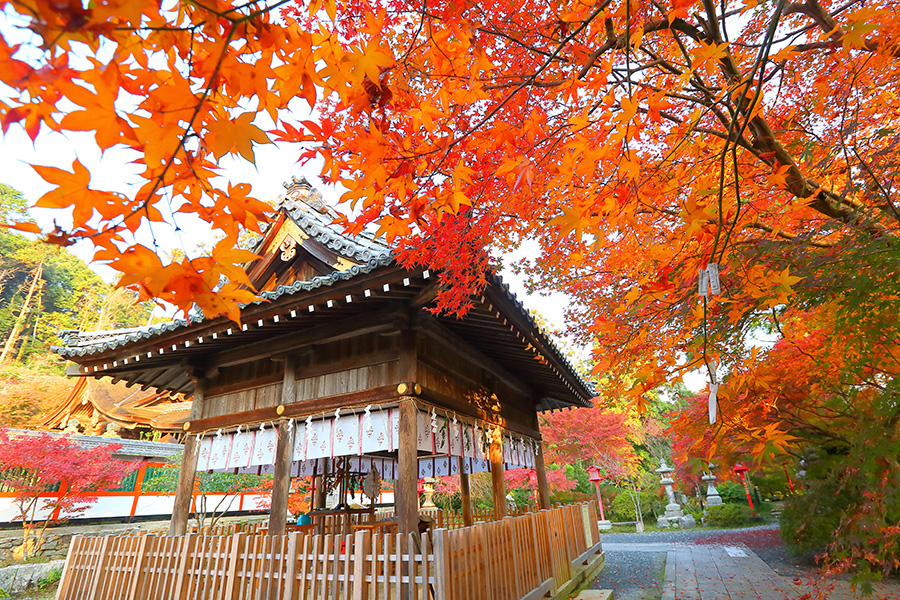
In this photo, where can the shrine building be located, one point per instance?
(340, 367)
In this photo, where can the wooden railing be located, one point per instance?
(514, 558)
(229, 528)
(448, 519)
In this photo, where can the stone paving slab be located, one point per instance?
(721, 573)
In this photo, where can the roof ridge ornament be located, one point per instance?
(299, 188)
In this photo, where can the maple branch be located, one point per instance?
(821, 200)
(785, 235)
(614, 42)
(158, 181)
(412, 42)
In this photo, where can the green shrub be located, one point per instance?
(51, 579)
(732, 493)
(728, 515)
(622, 508)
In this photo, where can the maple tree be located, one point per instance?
(635, 142)
(591, 435)
(32, 465)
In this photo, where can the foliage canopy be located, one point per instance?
(635, 143)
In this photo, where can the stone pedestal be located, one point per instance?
(604, 525)
(712, 494)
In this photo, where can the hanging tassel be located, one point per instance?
(713, 389)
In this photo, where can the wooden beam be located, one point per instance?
(327, 332)
(541, 472)
(156, 378)
(298, 409)
(265, 311)
(464, 492)
(284, 450)
(184, 487)
(445, 336)
(497, 474)
(406, 498)
(428, 293)
(520, 323)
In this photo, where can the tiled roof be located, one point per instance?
(540, 333)
(129, 447)
(82, 344)
(305, 206)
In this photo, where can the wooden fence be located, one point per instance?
(447, 519)
(521, 557)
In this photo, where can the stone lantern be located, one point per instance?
(674, 516)
(712, 494)
(427, 491)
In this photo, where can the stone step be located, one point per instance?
(595, 595)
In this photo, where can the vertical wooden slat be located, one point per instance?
(290, 571)
(425, 566)
(317, 566)
(231, 590)
(99, 569)
(387, 546)
(361, 548)
(347, 565)
(142, 549)
(330, 572)
(68, 574)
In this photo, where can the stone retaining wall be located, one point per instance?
(17, 578)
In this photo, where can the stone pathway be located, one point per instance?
(686, 570)
(692, 572)
(721, 573)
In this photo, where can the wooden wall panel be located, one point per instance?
(344, 382)
(344, 366)
(481, 398)
(247, 375)
(468, 368)
(263, 396)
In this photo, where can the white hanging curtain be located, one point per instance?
(361, 435)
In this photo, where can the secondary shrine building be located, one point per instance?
(340, 368)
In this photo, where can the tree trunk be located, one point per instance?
(20, 322)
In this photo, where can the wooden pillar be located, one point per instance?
(464, 492)
(497, 474)
(541, 471)
(406, 496)
(406, 493)
(284, 453)
(184, 488)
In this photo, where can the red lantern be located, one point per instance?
(595, 478)
(741, 469)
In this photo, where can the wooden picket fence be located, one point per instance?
(527, 556)
(448, 519)
(511, 559)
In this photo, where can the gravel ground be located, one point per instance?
(638, 575)
(633, 575)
